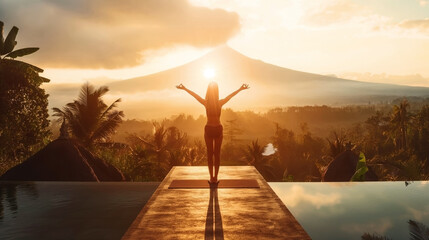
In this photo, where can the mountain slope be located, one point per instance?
(271, 84)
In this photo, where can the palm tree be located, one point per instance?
(252, 155)
(400, 119)
(89, 119)
(168, 145)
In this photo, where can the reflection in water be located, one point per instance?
(216, 219)
(70, 210)
(347, 210)
(8, 195)
(417, 231)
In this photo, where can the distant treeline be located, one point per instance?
(247, 125)
(394, 137)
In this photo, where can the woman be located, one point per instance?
(213, 131)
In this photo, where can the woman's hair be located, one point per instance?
(212, 93)
(212, 97)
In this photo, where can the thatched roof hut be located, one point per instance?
(63, 160)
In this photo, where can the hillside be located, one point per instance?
(270, 85)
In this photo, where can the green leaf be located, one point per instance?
(362, 161)
(46, 80)
(361, 169)
(37, 69)
(1, 36)
(9, 43)
(21, 52)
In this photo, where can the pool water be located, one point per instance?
(87, 210)
(70, 210)
(348, 210)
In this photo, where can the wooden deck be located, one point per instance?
(224, 213)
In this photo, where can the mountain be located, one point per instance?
(270, 85)
(155, 95)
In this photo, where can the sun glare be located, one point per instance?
(209, 73)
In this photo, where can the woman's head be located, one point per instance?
(212, 93)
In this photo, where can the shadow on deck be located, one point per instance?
(231, 213)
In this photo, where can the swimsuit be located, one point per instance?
(213, 131)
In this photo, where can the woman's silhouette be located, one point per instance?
(213, 131)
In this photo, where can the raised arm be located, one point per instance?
(225, 100)
(196, 96)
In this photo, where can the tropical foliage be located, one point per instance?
(149, 157)
(23, 104)
(361, 169)
(300, 155)
(253, 154)
(88, 119)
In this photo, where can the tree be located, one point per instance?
(420, 134)
(168, 145)
(377, 135)
(232, 130)
(23, 104)
(338, 144)
(89, 119)
(252, 155)
(288, 152)
(400, 119)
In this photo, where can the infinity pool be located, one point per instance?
(348, 210)
(84, 210)
(70, 210)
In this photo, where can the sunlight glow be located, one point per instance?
(209, 73)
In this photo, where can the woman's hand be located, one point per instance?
(180, 86)
(244, 87)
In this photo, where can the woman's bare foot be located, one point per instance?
(212, 180)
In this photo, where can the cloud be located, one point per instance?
(419, 24)
(418, 214)
(333, 12)
(298, 195)
(423, 2)
(410, 80)
(379, 226)
(112, 34)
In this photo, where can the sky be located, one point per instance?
(382, 40)
(100, 41)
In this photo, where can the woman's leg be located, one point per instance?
(209, 145)
(217, 146)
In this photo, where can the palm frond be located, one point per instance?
(418, 231)
(84, 93)
(101, 91)
(375, 236)
(59, 113)
(113, 105)
(107, 126)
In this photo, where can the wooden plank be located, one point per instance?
(224, 183)
(215, 213)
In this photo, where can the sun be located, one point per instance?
(209, 73)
